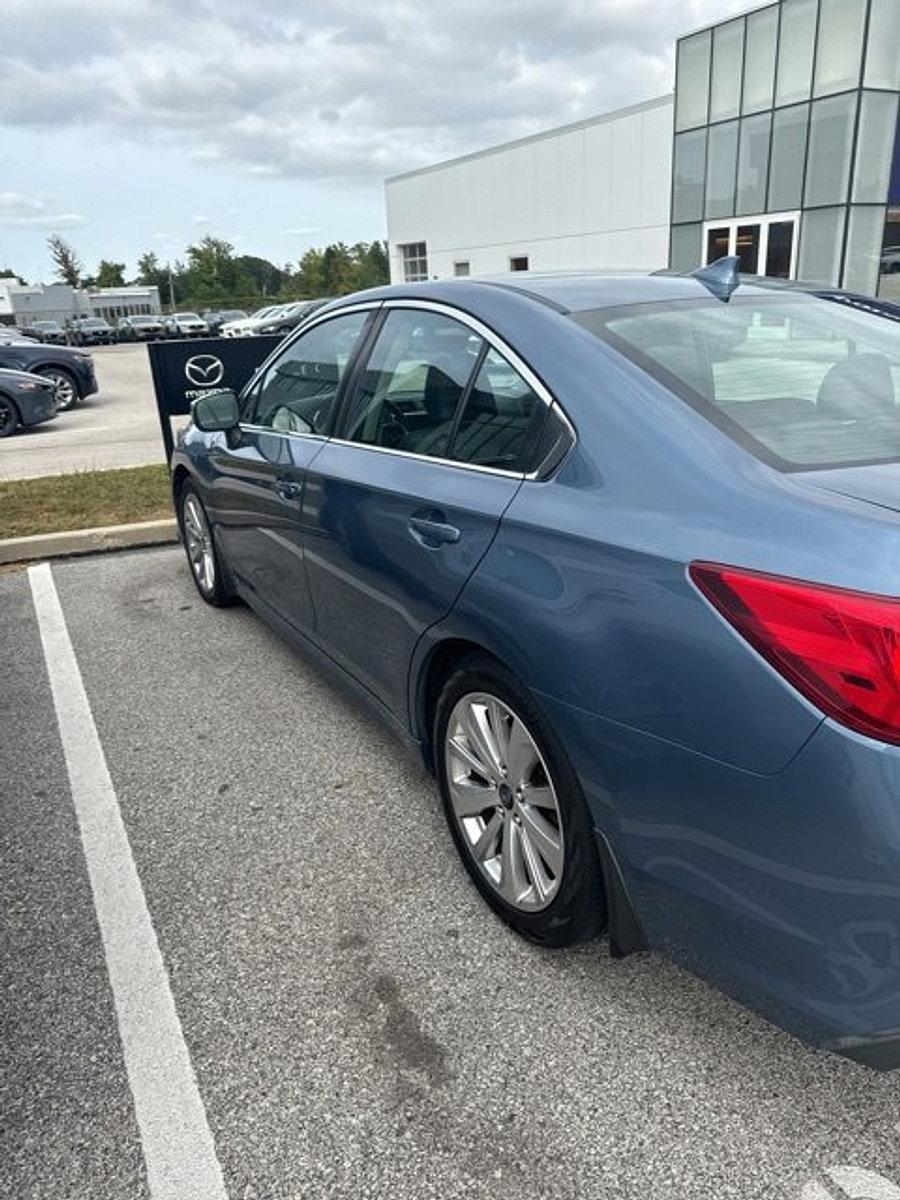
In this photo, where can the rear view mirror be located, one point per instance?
(216, 412)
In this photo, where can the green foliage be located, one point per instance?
(6, 273)
(68, 268)
(110, 274)
(338, 269)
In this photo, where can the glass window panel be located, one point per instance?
(298, 391)
(416, 375)
(864, 234)
(821, 240)
(882, 57)
(717, 243)
(721, 163)
(689, 170)
(795, 51)
(889, 276)
(753, 162)
(692, 81)
(686, 247)
(839, 49)
(759, 59)
(779, 248)
(788, 152)
(746, 247)
(499, 419)
(830, 142)
(727, 60)
(875, 146)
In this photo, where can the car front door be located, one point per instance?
(258, 478)
(401, 505)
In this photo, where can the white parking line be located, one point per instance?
(177, 1144)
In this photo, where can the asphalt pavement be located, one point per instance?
(116, 427)
(358, 1024)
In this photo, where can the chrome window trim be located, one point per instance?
(288, 433)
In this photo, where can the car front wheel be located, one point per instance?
(9, 417)
(66, 388)
(515, 807)
(203, 557)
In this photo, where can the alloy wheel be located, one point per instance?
(66, 394)
(8, 417)
(198, 540)
(504, 801)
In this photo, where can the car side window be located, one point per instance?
(416, 375)
(297, 392)
(501, 419)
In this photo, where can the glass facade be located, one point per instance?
(786, 147)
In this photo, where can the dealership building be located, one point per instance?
(23, 303)
(779, 144)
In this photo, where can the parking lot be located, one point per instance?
(116, 427)
(357, 1022)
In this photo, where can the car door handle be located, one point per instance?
(432, 531)
(287, 489)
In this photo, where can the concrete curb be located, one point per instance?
(87, 541)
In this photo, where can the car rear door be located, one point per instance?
(258, 478)
(395, 521)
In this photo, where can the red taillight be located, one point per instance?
(840, 649)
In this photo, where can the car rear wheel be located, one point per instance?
(203, 557)
(515, 807)
(9, 417)
(66, 388)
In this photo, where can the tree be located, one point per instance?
(6, 273)
(211, 273)
(68, 268)
(110, 274)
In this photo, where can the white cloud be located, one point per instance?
(343, 91)
(21, 211)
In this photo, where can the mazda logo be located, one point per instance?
(204, 370)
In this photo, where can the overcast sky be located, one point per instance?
(131, 125)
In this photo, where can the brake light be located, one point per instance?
(841, 649)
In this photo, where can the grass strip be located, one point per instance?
(84, 500)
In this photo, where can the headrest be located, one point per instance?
(860, 386)
(441, 394)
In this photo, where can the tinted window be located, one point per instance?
(498, 422)
(298, 391)
(804, 381)
(409, 392)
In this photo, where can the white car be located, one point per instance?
(249, 325)
(184, 325)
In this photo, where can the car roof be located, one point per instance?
(570, 292)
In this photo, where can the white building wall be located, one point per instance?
(587, 196)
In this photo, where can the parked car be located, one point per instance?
(92, 331)
(140, 328)
(71, 371)
(621, 556)
(185, 325)
(20, 332)
(247, 326)
(50, 331)
(25, 400)
(215, 320)
(286, 319)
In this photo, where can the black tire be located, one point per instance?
(221, 593)
(9, 417)
(577, 911)
(67, 394)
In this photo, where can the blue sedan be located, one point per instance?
(620, 555)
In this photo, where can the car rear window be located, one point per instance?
(800, 381)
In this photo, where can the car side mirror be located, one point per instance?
(216, 412)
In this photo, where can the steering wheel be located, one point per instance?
(393, 426)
